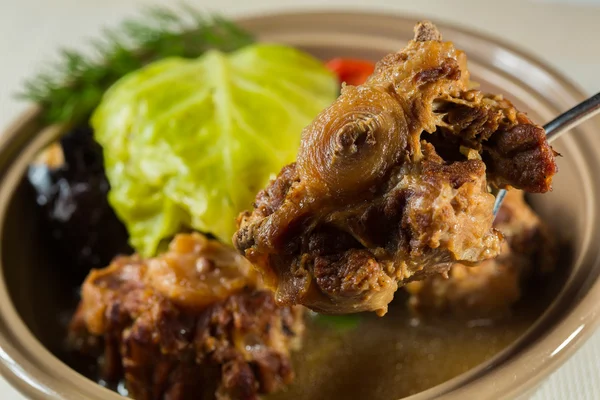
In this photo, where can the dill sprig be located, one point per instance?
(70, 89)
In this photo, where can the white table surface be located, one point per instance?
(31, 30)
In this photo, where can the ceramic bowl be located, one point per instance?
(32, 291)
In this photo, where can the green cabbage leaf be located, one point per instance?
(188, 143)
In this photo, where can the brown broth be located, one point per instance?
(397, 355)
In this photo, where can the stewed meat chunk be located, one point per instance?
(192, 323)
(392, 184)
(491, 288)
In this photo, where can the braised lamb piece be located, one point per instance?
(492, 287)
(192, 323)
(391, 184)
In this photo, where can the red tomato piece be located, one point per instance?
(353, 71)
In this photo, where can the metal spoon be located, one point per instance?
(560, 125)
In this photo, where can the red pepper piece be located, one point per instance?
(353, 71)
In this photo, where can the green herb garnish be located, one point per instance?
(70, 89)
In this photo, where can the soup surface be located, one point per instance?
(397, 355)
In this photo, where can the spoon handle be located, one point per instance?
(573, 117)
(561, 124)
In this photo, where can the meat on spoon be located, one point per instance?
(391, 183)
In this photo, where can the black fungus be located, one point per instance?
(82, 226)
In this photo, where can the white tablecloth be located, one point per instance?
(31, 31)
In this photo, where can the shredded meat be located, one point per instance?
(206, 331)
(491, 288)
(391, 184)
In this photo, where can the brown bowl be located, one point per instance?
(32, 293)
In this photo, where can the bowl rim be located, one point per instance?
(574, 328)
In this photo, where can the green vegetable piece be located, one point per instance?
(188, 143)
(341, 323)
